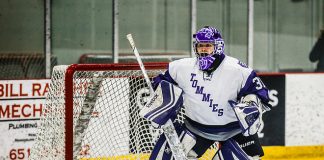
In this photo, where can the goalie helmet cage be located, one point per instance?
(92, 112)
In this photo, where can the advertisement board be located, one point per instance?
(273, 129)
(21, 103)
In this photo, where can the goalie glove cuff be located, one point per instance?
(254, 98)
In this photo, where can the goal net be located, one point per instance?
(92, 112)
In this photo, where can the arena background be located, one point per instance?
(275, 37)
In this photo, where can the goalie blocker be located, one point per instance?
(164, 104)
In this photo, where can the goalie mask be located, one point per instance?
(207, 37)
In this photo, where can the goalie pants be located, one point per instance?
(250, 145)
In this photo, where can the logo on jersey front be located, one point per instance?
(205, 96)
(207, 77)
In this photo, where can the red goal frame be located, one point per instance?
(69, 92)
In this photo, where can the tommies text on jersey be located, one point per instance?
(206, 96)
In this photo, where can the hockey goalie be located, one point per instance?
(223, 99)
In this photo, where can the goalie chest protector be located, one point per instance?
(206, 96)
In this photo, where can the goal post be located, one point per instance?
(92, 112)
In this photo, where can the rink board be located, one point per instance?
(207, 156)
(293, 152)
(271, 153)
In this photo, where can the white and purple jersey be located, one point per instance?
(206, 96)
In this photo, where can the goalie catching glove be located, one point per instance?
(249, 113)
(164, 104)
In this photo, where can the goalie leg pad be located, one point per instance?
(188, 140)
(230, 149)
(162, 149)
(164, 104)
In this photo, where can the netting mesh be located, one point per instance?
(106, 121)
(50, 137)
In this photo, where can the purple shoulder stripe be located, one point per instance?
(254, 85)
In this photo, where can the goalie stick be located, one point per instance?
(168, 128)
